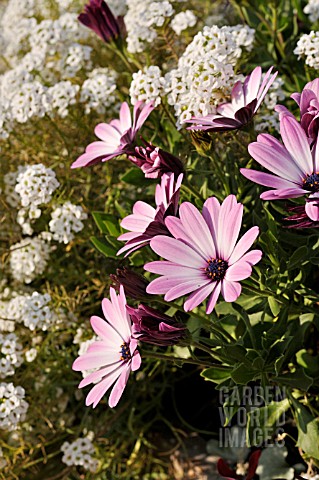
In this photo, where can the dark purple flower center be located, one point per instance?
(311, 182)
(125, 352)
(216, 269)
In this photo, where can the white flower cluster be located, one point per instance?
(147, 85)
(140, 20)
(66, 220)
(36, 184)
(28, 259)
(118, 7)
(312, 9)
(77, 57)
(34, 311)
(98, 90)
(205, 72)
(10, 354)
(61, 95)
(13, 407)
(182, 21)
(308, 46)
(268, 118)
(80, 453)
(10, 181)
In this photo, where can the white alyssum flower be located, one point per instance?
(36, 184)
(13, 407)
(267, 121)
(275, 94)
(29, 258)
(30, 101)
(77, 57)
(118, 7)
(147, 85)
(205, 72)
(80, 452)
(26, 216)
(61, 96)
(34, 311)
(182, 21)
(98, 91)
(158, 12)
(312, 9)
(10, 354)
(31, 354)
(66, 220)
(10, 181)
(308, 48)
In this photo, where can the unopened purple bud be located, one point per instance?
(134, 284)
(98, 17)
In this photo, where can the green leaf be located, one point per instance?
(104, 247)
(134, 176)
(216, 375)
(274, 306)
(107, 223)
(298, 379)
(297, 257)
(308, 429)
(309, 362)
(262, 422)
(242, 374)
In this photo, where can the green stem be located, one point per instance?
(160, 356)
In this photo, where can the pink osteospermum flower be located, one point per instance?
(204, 257)
(295, 164)
(146, 221)
(117, 137)
(246, 98)
(308, 102)
(113, 356)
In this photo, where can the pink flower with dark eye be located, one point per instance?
(113, 356)
(204, 258)
(246, 98)
(308, 102)
(116, 137)
(98, 17)
(146, 221)
(294, 164)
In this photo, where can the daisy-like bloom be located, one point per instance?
(98, 17)
(146, 221)
(226, 472)
(204, 257)
(117, 137)
(246, 98)
(153, 161)
(295, 165)
(308, 102)
(113, 356)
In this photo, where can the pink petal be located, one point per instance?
(237, 96)
(282, 194)
(264, 88)
(266, 179)
(99, 390)
(238, 271)
(144, 209)
(108, 134)
(178, 230)
(176, 251)
(229, 223)
(230, 290)
(243, 245)
(312, 208)
(252, 257)
(198, 296)
(251, 85)
(296, 142)
(211, 211)
(122, 321)
(119, 386)
(183, 288)
(98, 375)
(95, 360)
(125, 117)
(104, 330)
(213, 299)
(136, 361)
(136, 223)
(164, 267)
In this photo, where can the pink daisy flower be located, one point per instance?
(246, 98)
(117, 137)
(204, 257)
(113, 356)
(146, 221)
(295, 165)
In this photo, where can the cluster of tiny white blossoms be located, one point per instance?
(61, 96)
(13, 407)
(308, 47)
(36, 184)
(312, 9)
(182, 21)
(205, 72)
(80, 453)
(29, 258)
(147, 85)
(141, 20)
(10, 180)
(118, 7)
(98, 91)
(66, 220)
(10, 354)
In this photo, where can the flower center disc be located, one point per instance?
(125, 352)
(216, 269)
(311, 182)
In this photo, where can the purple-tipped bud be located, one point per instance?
(98, 17)
(154, 162)
(133, 283)
(154, 327)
